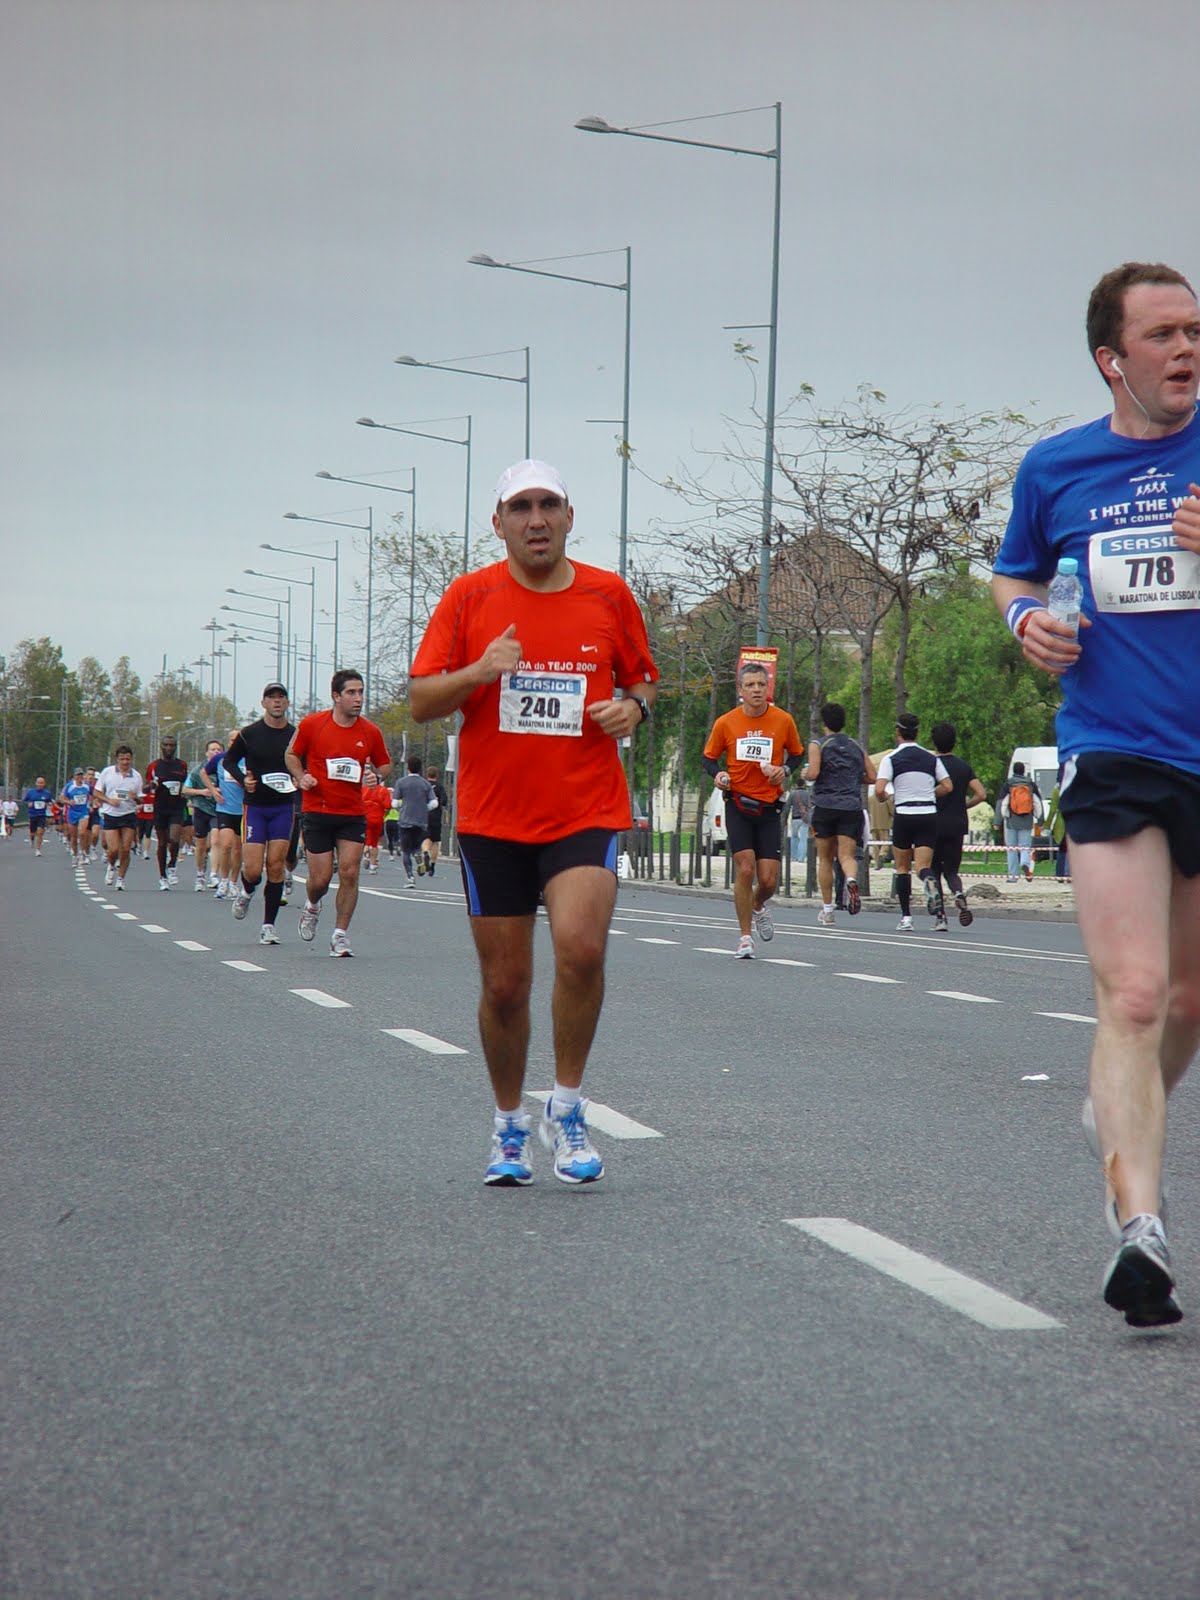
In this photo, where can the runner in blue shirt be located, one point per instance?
(37, 803)
(75, 797)
(225, 851)
(1121, 496)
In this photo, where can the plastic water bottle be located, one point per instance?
(1066, 593)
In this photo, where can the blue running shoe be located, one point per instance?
(575, 1159)
(510, 1159)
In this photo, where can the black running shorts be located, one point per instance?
(1105, 795)
(504, 879)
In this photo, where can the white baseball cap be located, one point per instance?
(529, 475)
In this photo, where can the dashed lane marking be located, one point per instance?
(426, 1041)
(153, 927)
(957, 994)
(1066, 1016)
(866, 977)
(786, 961)
(647, 939)
(713, 949)
(605, 1118)
(125, 916)
(243, 966)
(929, 1277)
(192, 944)
(320, 998)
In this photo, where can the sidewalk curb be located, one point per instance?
(1050, 905)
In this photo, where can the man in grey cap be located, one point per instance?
(549, 663)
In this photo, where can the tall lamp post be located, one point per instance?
(393, 488)
(455, 364)
(310, 583)
(275, 616)
(598, 125)
(367, 527)
(213, 628)
(538, 271)
(317, 555)
(442, 438)
(284, 670)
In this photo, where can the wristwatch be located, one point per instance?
(638, 701)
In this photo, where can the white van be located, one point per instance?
(1041, 763)
(714, 820)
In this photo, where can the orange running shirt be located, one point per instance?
(336, 757)
(533, 766)
(746, 741)
(377, 802)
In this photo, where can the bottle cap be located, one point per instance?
(1068, 566)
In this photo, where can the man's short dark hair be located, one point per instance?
(833, 716)
(123, 750)
(907, 724)
(1018, 770)
(749, 668)
(943, 735)
(1106, 304)
(414, 763)
(342, 677)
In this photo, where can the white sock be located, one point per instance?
(828, 906)
(564, 1099)
(501, 1118)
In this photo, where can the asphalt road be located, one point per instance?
(266, 1334)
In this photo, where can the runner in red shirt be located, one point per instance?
(327, 757)
(532, 651)
(377, 802)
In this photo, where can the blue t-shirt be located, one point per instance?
(233, 796)
(76, 796)
(1108, 501)
(38, 802)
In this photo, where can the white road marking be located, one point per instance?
(618, 933)
(866, 977)
(647, 939)
(125, 916)
(426, 1041)
(243, 966)
(954, 1289)
(785, 961)
(714, 949)
(957, 994)
(1035, 1077)
(1066, 1016)
(604, 1118)
(107, 905)
(192, 944)
(320, 998)
(152, 927)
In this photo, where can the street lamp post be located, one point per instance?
(442, 438)
(454, 364)
(317, 555)
(276, 617)
(598, 125)
(393, 488)
(213, 628)
(367, 527)
(310, 583)
(537, 270)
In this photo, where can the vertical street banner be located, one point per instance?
(760, 656)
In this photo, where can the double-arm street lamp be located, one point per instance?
(367, 527)
(442, 438)
(310, 583)
(392, 488)
(598, 125)
(275, 616)
(317, 555)
(455, 364)
(537, 270)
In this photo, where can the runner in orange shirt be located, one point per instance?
(532, 650)
(327, 757)
(377, 801)
(761, 746)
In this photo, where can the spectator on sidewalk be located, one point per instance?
(1018, 806)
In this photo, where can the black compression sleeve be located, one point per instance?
(710, 765)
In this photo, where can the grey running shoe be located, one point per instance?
(745, 949)
(1139, 1282)
(1087, 1117)
(941, 925)
(173, 877)
(931, 897)
(287, 889)
(824, 918)
(965, 915)
(308, 922)
(268, 934)
(763, 924)
(241, 901)
(339, 943)
(904, 925)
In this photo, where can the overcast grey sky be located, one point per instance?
(223, 219)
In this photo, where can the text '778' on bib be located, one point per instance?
(1143, 570)
(543, 702)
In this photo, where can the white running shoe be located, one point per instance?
(120, 884)
(824, 918)
(163, 884)
(308, 922)
(221, 892)
(241, 902)
(904, 925)
(109, 875)
(763, 924)
(267, 934)
(339, 943)
(200, 885)
(745, 949)
(575, 1158)
(1139, 1281)
(172, 877)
